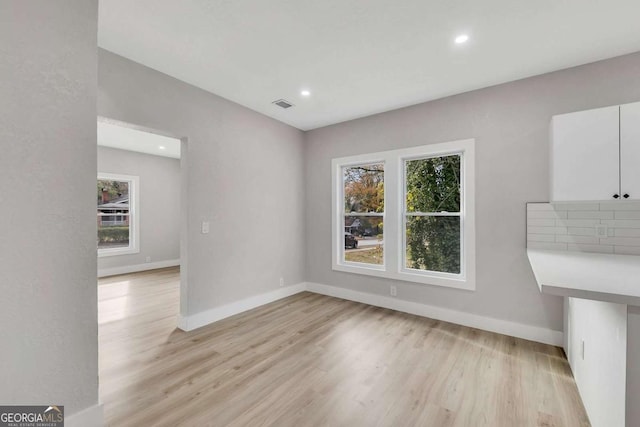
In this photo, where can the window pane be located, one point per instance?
(363, 239)
(113, 214)
(433, 243)
(433, 184)
(364, 188)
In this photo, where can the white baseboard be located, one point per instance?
(92, 416)
(505, 327)
(514, 329)
(204, 318)
(137, 268)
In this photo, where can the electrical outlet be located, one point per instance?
(393, 290)
(148, 259)
(205, 227)
(601, 230)
(282, 281)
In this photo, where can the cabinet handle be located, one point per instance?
(626, 196)
(615, 196)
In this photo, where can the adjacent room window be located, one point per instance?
(117, 214)
(407, 214)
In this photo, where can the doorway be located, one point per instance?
(141, 200)
(138, 197)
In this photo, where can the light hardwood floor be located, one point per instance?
(312, 360)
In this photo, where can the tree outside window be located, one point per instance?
(432, 224)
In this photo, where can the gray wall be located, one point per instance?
(159, 195)
(245, 175)
(510, 123)
(48, 309)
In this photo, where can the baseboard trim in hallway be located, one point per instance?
(106, 272)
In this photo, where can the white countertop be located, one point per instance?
(603, 277)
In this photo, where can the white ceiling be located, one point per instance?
(359, 57)
(127, 138)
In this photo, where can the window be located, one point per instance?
(432, 221)
(364, 213)
(118, 219)
(407, 214)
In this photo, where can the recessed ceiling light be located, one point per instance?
(305, 93)
(162, 147)
(462, 38)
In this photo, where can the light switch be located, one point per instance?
(205, 227)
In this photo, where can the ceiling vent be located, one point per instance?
(282, 103)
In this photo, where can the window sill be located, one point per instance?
(117, 251)
(425, 279)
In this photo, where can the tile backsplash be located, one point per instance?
(603, 227)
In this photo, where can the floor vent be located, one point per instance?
(282, 103)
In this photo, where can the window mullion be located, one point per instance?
(433, 214)
(391, 214)
(380, 214)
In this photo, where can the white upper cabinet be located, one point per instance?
(585, 155)
(630, 150)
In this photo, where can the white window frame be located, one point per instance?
(134, 215)
(365, 160)
(393, 266)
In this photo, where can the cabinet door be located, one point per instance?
(585, 149)
(630, 150)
